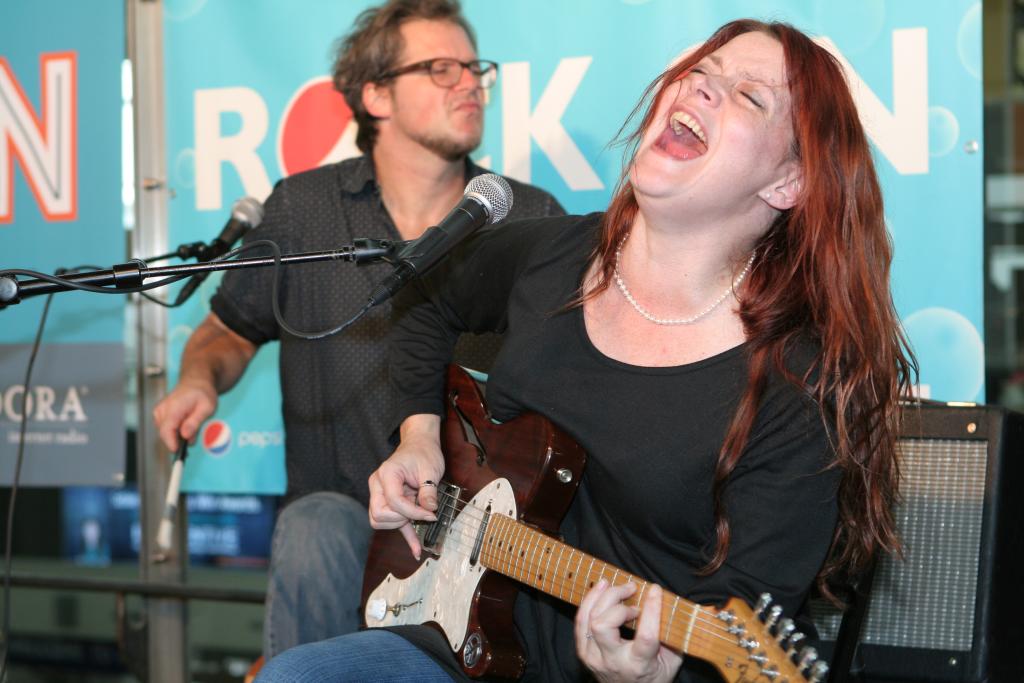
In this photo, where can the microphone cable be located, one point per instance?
(9, 525)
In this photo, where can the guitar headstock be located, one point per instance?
(759, 645)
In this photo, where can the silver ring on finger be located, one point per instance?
(428, 482)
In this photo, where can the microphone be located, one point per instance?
(163, 534)
(487, 200)
(246, 214)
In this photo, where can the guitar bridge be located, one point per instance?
(432, 534)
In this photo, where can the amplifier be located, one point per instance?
(951, 609)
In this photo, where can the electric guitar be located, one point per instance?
(508, 487)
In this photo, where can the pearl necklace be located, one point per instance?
(674, 321)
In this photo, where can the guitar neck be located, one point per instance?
(522, 553)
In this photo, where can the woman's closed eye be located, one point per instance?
(753, 99)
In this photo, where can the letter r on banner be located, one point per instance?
(240, 150)
(44, 145)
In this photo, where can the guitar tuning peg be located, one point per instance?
(763, 601)
(794, 642)
(808, 656)
(786, 627)
(818, 672)
(773, 615)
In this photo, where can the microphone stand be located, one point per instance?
(131, 275)
(184, 251)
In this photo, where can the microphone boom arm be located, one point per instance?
(131, 275)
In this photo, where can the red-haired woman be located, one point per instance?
(722, 342)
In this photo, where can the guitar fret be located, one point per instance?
(566, 578)
(576, 576)
(525, 547)
(640, 596)
(511, 550)
(590, 579)
(502, 557)
(524, 561)
(558, 564)
(689, 629)
(535, 542)
(671, 618)
(542, 549)
(547, 568)
(528, 561)
(519, 550)
(504, 540)
(516, 549)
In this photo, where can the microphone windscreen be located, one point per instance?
(248, 210)
(494, 193)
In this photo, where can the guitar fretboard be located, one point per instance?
(533, 558)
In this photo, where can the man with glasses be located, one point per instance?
(409, 72)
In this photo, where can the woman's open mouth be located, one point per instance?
(683, 138)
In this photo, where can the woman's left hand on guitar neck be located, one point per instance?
(604, 651)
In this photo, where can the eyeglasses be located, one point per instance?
(446, 72)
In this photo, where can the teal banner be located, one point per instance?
(61, 207)
(254, 104)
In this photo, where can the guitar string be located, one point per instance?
(469, 540)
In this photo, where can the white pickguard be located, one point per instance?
(442, 589)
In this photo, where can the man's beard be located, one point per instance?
(448, 147)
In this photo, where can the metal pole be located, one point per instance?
(167, 644)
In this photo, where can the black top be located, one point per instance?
(652, 433)
(335, 397)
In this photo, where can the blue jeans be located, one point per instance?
(317, 558)
(373, 655)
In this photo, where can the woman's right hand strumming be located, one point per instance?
(404, 487)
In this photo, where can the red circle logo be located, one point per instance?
(217, 437)
(316, 128)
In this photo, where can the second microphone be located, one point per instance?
(487, 200)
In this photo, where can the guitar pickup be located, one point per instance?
(432, 534)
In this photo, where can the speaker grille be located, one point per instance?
(927, 600)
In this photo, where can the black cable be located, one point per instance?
(161, 302)
(275, 296)
(5, 636)
(71, 284)
(275, 299)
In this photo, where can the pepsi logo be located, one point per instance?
(217, 438)
(316, 128)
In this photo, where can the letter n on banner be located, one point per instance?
(44, 144)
